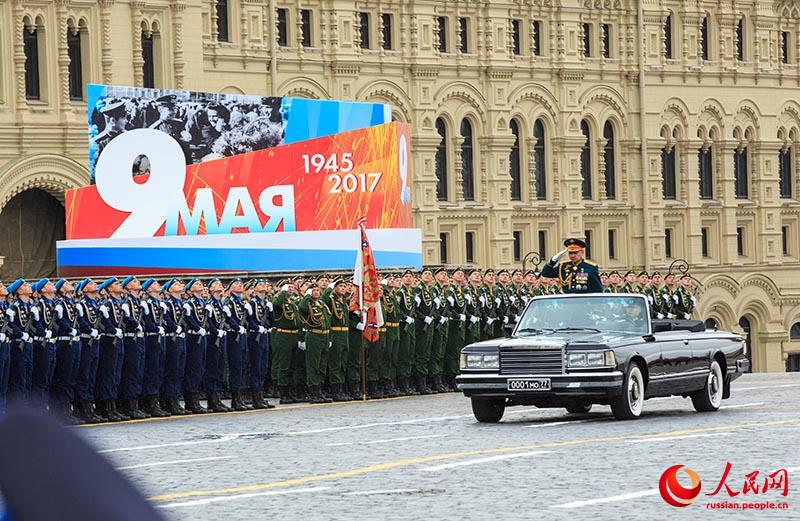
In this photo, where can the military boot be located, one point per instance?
(391, 389)
(422, 385)
(440, 387)
(195, 407)
(285, 395)
(237, 403)
(135, 412)
(174, 407)
(314, 395)
(339, 394)
(258, 400)
(154, 408)
(216, 405)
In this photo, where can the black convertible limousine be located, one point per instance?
(573, 351)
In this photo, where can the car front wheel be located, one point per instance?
(710, 397)
(628, 405)
(488, 410)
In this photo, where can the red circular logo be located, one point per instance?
(673, 492)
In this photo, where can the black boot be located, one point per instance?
(355, 389)
(154, 408)
(216, 405)
(237, 403)
(86, 410)
(314, 395)
(339, 395)
(422, 385)
(440, 387)
(106, 409)
(391, 389)
(124, 415)
(174, 407)
(135, 412)
(285, 395)
(197, 408)
(258, 400)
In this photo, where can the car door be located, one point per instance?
(675, 362)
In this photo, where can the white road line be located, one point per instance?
(387, 441)
(670, 438)
(378, 424)
(387, 491)
(241, 496)
(478, 461)
(553, 424)
(610, 499)
(737, 406)
(164, 445)
(763, 387)
(174, 462)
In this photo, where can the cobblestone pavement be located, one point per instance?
(427, 458)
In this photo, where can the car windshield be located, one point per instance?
(599, 313)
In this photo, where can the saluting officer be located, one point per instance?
(216, 346)
(441, 330)
(576, 275)
(195, 319)
(154, 349)
(88, 324)
(68, 353)
(317, 319)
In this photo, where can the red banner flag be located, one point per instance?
(369, 288)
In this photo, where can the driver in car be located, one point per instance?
(631, 317)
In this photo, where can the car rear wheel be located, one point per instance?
(628, 405)
(579, 407)
(710, 397)
(488, 410)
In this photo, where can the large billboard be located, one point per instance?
(289, 203)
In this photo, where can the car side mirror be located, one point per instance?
(649, 338)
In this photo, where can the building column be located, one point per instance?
(106, 59)
(495, 151)
(723, 169)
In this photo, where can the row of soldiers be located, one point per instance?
(125, 349)
(670, 296)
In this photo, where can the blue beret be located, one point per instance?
(14, 286)
(127, 280)
(60, 284)
(146, 284)
(39, 284)
(234, 281)
(108, 282)
(189, 284)
(83, 284)
(167, 285)
(212, 281)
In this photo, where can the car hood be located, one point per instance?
(549, 341)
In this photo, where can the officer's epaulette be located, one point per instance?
(590, 263)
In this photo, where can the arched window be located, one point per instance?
(668, 172)
(30, 42)
(586, 161)
(794, 333)
(705, 162)
(609, 160)
(515, 165)
(668, 37)
(222, 21)
(704, 38)
(740, 39)
(740, 172)
(539, 160)
(74, 39)
(467, 163)
(785, 170)
(148, 60)
(441, 161)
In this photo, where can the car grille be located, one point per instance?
(538, 361)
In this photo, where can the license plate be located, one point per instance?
(528, 384)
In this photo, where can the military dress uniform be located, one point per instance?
(109, 363)
(406, 312)
(457, 301)
(425, 318)
(175, 357)
(88, 324)
(216, 349)
(685, 303)
(391, 343)
(474, 315)
(44, 349)
(236, 316)
(68, 353)
(195, 319)
(5, 356)
(317, 320)
(284, 342)
(21, 360)
(502, 306)
(356, 337)
(154, 353)
(133, 358)
(258, 324)
(441, 330)
(337, 356)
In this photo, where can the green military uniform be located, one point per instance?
(337, 355)
(284, 341)
(353, 375)
(489, 312)
(406, 314)
(317, 319)
(391, 315)
(299, 370)
(684, 303)
(668, 296)
(656, 299)
(475, 318)
(457, 333)
(425, 322)
(441, 331)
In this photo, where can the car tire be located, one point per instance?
(709, 398)
(488, 410)
(579, 407)
(628, 405)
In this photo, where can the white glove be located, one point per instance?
(118, 332)
(489, 320)
(145, 307)
(179, 330)
(94, 333)
(360, 326)
(428, 320)
(462, 317)
(512, 299)
(687, 316)
(438, 302)
(35, 312)
(417, 300)
(670, 316)
(650, 298)
(242, 330)
(249, 308)
(675, 298)
(104, 311)
(525, 299)
(163, 305)
(2, 337)
(482, 300)
(226, 310)
(73, 332)
(409, 320)
(139, 328)
(269, 305)
(694, 300)
(11, 314)
(442, 320)
(126, 309)
(505, 320)
(262, 329)
(60, 311)
(473, 319)
(497, 301)
(659, 316)
(48, 334)
(308, 291)
(301, 345)
(210, 309)
(220, 333)
(517, 318)
(330, 345)
(451, 300)
(161, 331)
(285, 287)
(557, 256)
(202, 332)
(468, 298)
(80, 310)
(25, 337)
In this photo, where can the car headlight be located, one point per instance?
(491, 361)
(474, 361)
(478, 361)
(591, 359)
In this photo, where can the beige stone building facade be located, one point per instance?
(527, 120)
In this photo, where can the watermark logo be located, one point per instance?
(673, 492)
